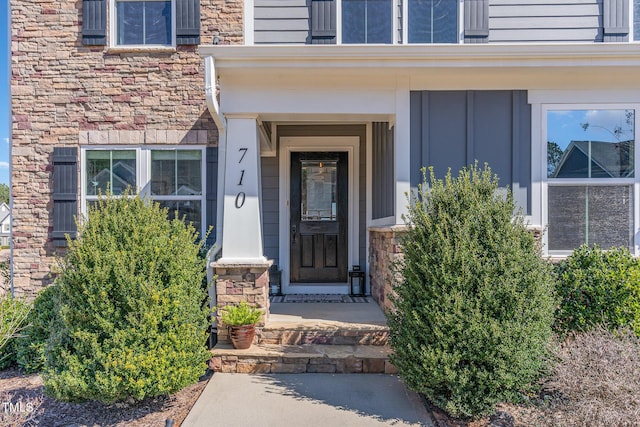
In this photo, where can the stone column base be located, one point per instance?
(385, 247)
(242, 282)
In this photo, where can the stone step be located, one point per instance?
(307, 358)
(328, 335)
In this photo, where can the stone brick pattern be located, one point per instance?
(304, 359)
(62, 92)
(384, 249)
(235, 284)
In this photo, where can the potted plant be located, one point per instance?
(241, 320)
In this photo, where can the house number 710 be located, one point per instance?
(241, 196)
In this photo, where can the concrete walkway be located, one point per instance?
(306, 400)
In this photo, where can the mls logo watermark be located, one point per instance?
(17, 408)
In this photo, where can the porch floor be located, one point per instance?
(326, 315)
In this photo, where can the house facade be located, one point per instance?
(298, 127)
(5, 224)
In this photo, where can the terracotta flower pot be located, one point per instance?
(242, 336)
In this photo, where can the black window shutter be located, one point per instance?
(322, 17)
(94, 22)
(615, 19)
(476, 21)
(188, 22)
(65, 194)
(211, 209)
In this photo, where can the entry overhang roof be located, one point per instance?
(426, 56)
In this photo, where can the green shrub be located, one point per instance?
(132, 322)
(30, 347)
(473, 305)
(598, 287)
(14, 313)
(240, 315)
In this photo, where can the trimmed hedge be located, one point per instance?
(598, 287)
(473, 307)
(130, 308)
(30, 347)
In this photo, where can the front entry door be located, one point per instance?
(319, 212)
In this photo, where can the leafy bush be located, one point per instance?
(30, 347)
(598, 287)
(239, 315)
(13, 318)
(473, 305)
(596, 380)
(131, 314)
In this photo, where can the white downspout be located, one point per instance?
(210, 88)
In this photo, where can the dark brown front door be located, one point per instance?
(319, 208)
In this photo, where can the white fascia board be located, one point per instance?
(440, 56)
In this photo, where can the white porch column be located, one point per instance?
(242, 225)
(403, 147)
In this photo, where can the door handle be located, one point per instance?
(294, 230)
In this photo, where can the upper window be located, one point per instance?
(426, 21)
(433, 21)
(367, 21)
(590, 178)
(636, 20)
(144, 23)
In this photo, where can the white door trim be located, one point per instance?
(349, 144)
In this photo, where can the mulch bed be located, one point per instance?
(23, 403)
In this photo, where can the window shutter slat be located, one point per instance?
(476, 21)
(94, 22)
(187, 22)
(323, 22)
(211, 209)
(65, 194)
(615, 20)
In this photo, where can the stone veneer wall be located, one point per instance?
(66, 94)
(385, 248)
(237, 283)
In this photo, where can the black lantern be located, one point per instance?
(357, 281)
(275, 281)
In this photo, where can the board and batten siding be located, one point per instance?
(452, 129)
(270, 207)
(545, 21)
(281, 21)
(382, 171)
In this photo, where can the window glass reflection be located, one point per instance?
(590, 144)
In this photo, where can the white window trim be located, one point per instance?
(143, 175)
(394, 26)
(539, 164)
(113, 34)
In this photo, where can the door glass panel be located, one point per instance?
(318, 201)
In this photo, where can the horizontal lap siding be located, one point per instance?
(545, 21)
(281, 21)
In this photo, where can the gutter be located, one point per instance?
(214, 109)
